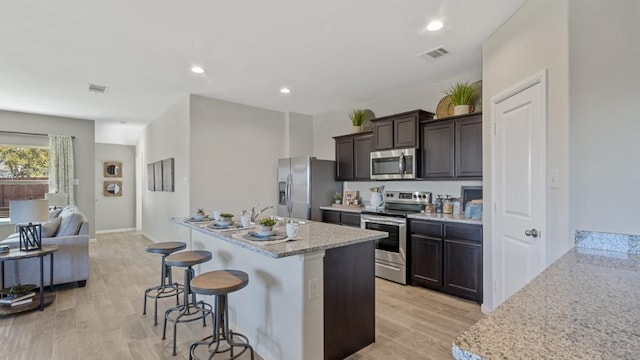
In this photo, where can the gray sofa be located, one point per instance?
(69, 230)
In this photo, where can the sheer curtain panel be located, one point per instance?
(61, 166)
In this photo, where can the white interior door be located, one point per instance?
(519, 190)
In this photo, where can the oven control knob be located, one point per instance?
(415, 196)
(424, 196)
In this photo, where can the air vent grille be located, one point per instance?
(434, 54)
(100, 89)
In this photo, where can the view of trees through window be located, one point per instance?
(24, 162)
(24, 174)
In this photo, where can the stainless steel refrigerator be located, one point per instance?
(305, 184)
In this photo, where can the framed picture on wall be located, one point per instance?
(167, 175)
(112, 169)
(150, 178)
(112, 188)
(157, 175)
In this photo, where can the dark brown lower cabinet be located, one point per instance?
(341, 218)
(463, 271)
(447, 257)
(426, 257)
(349, 299)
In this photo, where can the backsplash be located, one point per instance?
(435, 187)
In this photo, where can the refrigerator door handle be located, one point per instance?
(289, 194)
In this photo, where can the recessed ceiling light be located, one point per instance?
(435, 25)
(285, 90)
(197, 69)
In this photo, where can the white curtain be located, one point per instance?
(61, 166)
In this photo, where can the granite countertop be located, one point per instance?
(584, 306)
(446, 217)
(343, 209)
(420, 216)
(312, 236)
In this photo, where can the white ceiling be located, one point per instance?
(331, 53)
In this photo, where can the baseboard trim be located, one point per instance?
(114, 231)
(149, 237)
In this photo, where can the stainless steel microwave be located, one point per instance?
(394, 164)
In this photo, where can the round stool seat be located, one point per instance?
(219, 282)
(188, 258)
(166, 248)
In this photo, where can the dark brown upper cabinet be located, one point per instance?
(452, 148)
(398, 130)
(352, 156)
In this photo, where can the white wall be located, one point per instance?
(115, 212)
(166, 137)
(83, 150)
(299, 135)
(234, 155)
(605, 86)
(533, 39)
(328, 125)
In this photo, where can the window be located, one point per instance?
(24, 174)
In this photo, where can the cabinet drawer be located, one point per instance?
(330, 216)
(427, 228)
(463, 232)
(351, 219)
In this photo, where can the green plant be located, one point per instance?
(226, 215)
(18, 289)
(268, 221)
(200, 212)
(337, 196)
(461, 94)
(357, 117)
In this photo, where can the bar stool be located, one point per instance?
(167, 287)
(189, 310)
(220, 283)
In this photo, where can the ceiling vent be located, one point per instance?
(100, 89)
(434, 54)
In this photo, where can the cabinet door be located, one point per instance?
(331, 217)
(463, 268)
(469, 147)
(438, 150)
(361, 157)
(404, 132)
(350, 219)
(344, 158)
(426, 261)
(383, 135)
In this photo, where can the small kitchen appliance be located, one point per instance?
(391, 252)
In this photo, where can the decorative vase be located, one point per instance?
(338, 201)
(460, 109)
(356, 129)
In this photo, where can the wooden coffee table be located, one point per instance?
(16, 254)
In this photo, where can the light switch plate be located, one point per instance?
(553, 179)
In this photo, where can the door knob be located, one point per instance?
(533, 232)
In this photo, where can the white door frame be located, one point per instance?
(538, 78)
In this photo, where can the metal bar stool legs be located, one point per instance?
(190, 310)
(167, 287)
(220, 284)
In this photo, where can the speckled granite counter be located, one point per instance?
(446, 217)
(584, 306)
(313, 236)
(343, 209)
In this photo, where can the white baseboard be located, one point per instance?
(485, 309)
(151, 238)
(114, 231)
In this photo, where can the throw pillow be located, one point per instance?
(50, 227)
(54, 213)
(70, 224)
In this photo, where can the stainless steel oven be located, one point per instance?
(391, 252)
(394, 164)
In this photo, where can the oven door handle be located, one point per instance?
(384, 221)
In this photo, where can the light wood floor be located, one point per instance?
(104, 319)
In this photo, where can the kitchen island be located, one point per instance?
(584, 306)
(311, 298)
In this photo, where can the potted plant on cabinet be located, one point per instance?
(337, 197)
(462, 96)
(357, 117)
